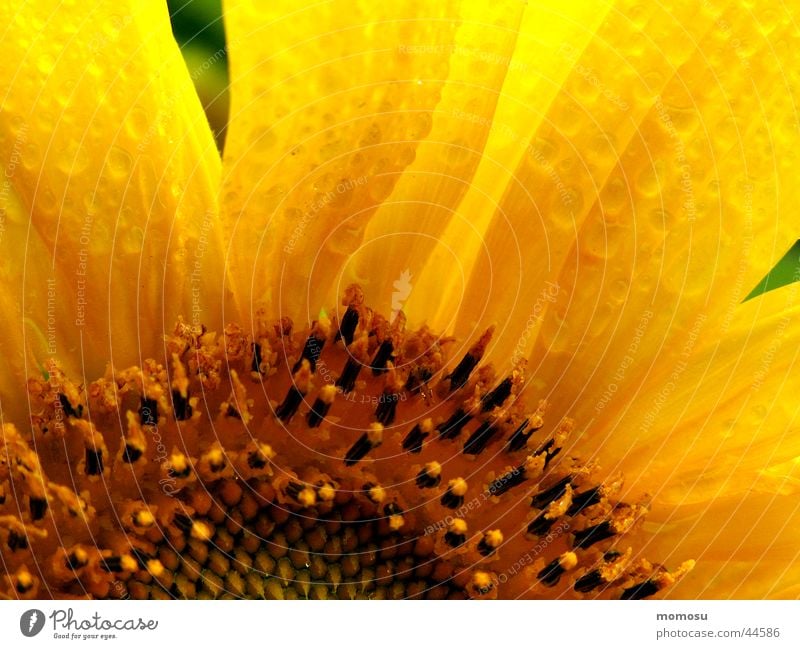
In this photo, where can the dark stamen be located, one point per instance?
(551, 573)
(452, 427)
(480, 438)
(519, 438)
(427, 481)
(311, 351)
(38, 508)
(290, 404)
(148, 412)
(584, 499)
(417, 379)
(540, 525)
(507, 481)
(317, 413)
(180, 474)
(392, 509)
(94, 461)
(384, 354)
(454, 540)
(76, 412)
(347, 327)
(484, 549)
(589, 582)
(451, 501)
(112, 564)
(73, 561)
(17, 541)
(255, 365)
(497, 397)
(358, 450)
(544, 498)
(347, 381)
(640, 591)
(413, 441)
(293, 489)
(181, 406)
(459, 376)
(182, 522)
(387, 408)
(141, 557)
(256, 460)
(131, 454)
(594, 534)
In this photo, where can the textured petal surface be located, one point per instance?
(714, 438)
(108, 197)
(336, 103)
(699, 206)
(567, 138)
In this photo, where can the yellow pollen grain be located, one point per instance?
(24, 578)
(375, 433)
(215, 457)
(568, 560)
(534, 465)
(377, 494)
(481, 580)
(458, 526)
(327, 394)
(307, 497)
(493, 538)
(144, 518)
(458, 486)
(326, 492)
(178, 462)
(433, 469)
(155, 568)
(201, 531)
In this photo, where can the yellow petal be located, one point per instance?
(700, 205)
(522, 216)
(713, 440)
(406, 227)
(720, 418)
(329, 105)
(746, 546)
(109, 192)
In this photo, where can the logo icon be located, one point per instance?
(31, 622)
(402, 289)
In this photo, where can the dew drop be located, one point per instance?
(274, 195)
(419, 126)
(372, 136)
(137, 123)
(118, 162)
(263, 137)
(618, 291)
(73, 159)
(647, 181)
(458, 152)
(46, 202)
(45, 64)
(31, 157)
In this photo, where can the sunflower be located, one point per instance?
(459, 312)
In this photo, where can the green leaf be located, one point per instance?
(786, 271)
